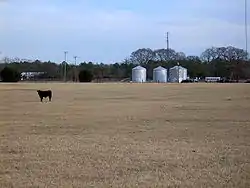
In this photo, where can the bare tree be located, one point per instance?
(180, 56)
(168, 54)
(209, 54)
(224, 53)
(142, 56)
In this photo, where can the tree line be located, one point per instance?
(228, 62)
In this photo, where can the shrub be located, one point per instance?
(10, 75)
(85, 76)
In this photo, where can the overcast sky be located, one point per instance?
(109, 30)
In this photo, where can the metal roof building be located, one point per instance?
(177, 74)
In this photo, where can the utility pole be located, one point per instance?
(75, 57)
(246, 31)
(167, 40)
(65, 66)
(168, 45)
(178, 64)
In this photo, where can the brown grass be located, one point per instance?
(125, 135)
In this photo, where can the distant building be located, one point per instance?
(31, 75)
(177, 74)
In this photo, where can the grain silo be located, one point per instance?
(139, 74)
(160, 75)
(177, 74)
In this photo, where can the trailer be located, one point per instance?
(212, 79)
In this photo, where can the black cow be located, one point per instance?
(45, 94)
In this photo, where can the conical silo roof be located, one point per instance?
(159, 68)
(138, 68)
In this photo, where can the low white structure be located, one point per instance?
(177, 74)
(30, 75)
(212, 79)
(139, 74)
(160, 75)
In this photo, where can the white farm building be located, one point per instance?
(177, 74)
(160, 75)
(139, 74)
(30, 75)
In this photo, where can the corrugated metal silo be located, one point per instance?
(160, 75)
(184, 75)
(139, 74)
(177, 74)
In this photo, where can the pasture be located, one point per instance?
(125, 135)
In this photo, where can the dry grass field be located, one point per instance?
(125, 135)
